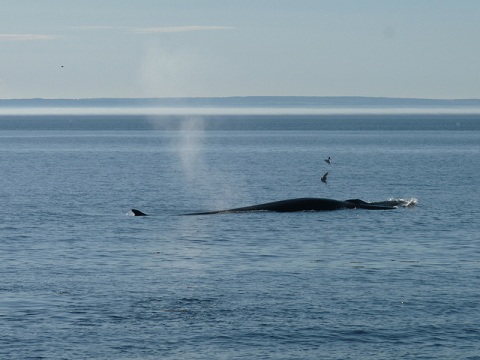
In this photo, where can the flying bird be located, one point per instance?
(324, 177)
(328, 160)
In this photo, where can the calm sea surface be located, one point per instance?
(79, 279)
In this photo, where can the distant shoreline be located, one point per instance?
(312, 102)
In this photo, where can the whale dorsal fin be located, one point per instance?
(136, 212)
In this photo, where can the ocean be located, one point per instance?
(81, 279)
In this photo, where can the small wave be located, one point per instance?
(397, 202)
(407, 202)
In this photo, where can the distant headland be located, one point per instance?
(312, 102)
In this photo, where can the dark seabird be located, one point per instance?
(324, 177)
(328, 160)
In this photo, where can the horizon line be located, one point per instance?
(243, 97)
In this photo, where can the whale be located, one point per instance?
(299, 205)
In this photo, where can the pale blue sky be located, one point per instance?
(183, 48)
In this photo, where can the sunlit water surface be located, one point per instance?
(80, 279)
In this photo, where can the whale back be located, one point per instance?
(357, 203)
(291, 205)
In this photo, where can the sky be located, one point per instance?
(221, 48)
